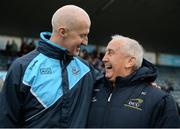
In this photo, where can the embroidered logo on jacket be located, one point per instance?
(45, 71)
(134, 103)
(75, 71)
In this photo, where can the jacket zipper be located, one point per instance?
(107, 109)
(109, 98)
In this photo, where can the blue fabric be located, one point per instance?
(42, 35)
(76, 70)
(43, 74)
(44, 77)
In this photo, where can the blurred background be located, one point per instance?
(154, 23)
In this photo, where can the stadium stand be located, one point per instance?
(169, 80)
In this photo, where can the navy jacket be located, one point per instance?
(36, 92)
(132, 103)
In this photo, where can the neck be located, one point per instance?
(127, 72)
(124, 74)
(56, 39)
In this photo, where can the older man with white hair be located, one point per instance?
(125, 97)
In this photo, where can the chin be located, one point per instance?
(109, 78)
(76, 54)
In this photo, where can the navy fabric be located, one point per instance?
(132, 103)
(38, 94)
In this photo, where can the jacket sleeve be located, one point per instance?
(166, 114)
(10, 104)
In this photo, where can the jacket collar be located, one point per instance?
(146, 73)
(52, 49)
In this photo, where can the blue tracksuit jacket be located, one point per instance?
(36, 92)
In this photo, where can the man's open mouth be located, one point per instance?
(108, 66)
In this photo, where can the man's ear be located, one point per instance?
(131, 62)
(63, 32)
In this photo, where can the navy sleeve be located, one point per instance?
(10, 104)
(166, 114)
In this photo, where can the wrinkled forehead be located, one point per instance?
(113, 44)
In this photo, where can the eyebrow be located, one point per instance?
(109, 49)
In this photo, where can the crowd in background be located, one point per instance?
(94, 58)
(12, 48)
(12, 51)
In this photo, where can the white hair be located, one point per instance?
(132, 48)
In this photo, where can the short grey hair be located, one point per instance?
(132, 48)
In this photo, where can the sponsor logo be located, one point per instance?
(45, 71)
(134, 103)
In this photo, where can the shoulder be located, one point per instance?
(22, 62)
(155, 92)
(157, 95)
(28, 57)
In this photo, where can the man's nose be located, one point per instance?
(104, 58)
(85, 41)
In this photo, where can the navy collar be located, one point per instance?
(51, 49)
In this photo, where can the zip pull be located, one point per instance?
(109, 98)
